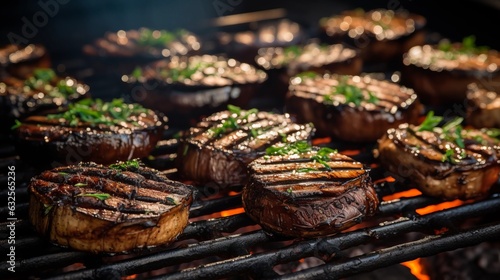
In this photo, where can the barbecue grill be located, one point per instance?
(219, 244)
(222, 242)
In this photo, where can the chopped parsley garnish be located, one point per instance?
(307, 74)
(125, 165)
(44, 78)
(158, 38)
(80, 185)
(137, 73)
(306, 169)
(492, 132)
(450, 131)
(292, 51)
(46, 209)
(44, 74)
(289, 190)
(299, 147)
(430, 122)
(448, 156)
(352, 93)
(468, 47)
(95, 112)
(231, 123)
(170, 200)
(100, 196)
(322, 155)
(185, 151)
(16, 125)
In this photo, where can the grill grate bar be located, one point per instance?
(156, 261)
(333, 245)
(393, 255)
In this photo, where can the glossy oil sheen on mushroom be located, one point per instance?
(313, 193)
(101, 209)
(219, 147)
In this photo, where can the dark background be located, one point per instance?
(79, 22)
(64, 26)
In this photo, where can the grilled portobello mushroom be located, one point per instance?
(188, 88)
(219, 148)
(108, 209)
(483, 105)
(381, 35)
(282, 63)
(440, 73)
(303, 191)
(40, 91)
(351, 108)
(244, 45)
(144, 43)
(20, 60)
(449, 162)
(89, 130)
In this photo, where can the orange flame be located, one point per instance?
(130, 277)
(232, 212)
(416, 269)
(439, 207)
(408, 193)
(319, 141)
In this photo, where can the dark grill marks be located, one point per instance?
(388, 94)
(297, 195)
(219, 148)
(433, 146)
(302, 170)
(127, 43)
(131, 192)
(271, 128)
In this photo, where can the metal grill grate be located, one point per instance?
(214, 247)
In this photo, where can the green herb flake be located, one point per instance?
(298, 147)
(430, 122)
(137, 73)
(129, 164)
(80, 185)
(231, 123)
(293, 51)
(96, 112)
(16, 125)
(307, 74)
(456, 122)
(170, 201)
(352, 93)
(254, 133)
(467, 47)
(44, 74)
(448, 156)
(185, 150)
(47, 208)
(234, 109)
(306, 169)
(372, 98)
(100, 196)
(289, 190)
(157, 38)
(492, 132)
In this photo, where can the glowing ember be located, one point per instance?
(232, 212)
(319, 141)
(416, 269)
(350, 152)
(408, 193)
(439, 207)
(130, 277)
